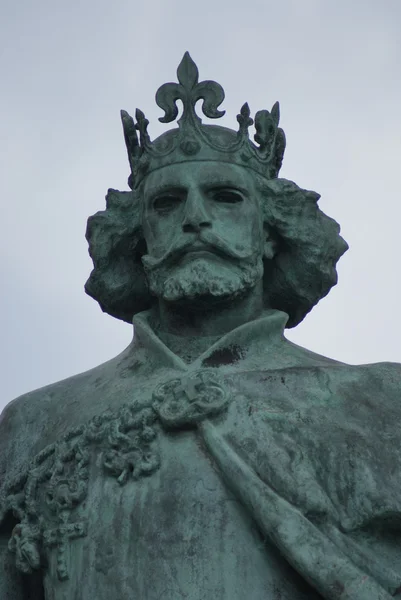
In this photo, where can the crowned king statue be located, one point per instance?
(212, 458)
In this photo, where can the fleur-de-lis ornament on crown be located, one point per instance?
(196, 141)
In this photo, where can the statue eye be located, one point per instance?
(166, 202)
(227, 196)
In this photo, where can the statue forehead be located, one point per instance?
(191, 173)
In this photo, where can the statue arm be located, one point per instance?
(10, 582)
(14, 585)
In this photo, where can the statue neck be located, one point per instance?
(192, 320)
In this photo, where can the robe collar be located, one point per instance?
(256, 345)
(247, 345)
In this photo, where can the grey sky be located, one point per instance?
(66, 70)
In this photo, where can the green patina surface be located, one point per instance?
(212, 458)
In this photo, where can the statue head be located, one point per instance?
(207, 218)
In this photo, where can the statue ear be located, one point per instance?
(270, 243)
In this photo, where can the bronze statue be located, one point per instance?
(212, 458)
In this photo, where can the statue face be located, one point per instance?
(204, 231)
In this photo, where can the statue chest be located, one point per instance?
(175, 533)
(132, 505)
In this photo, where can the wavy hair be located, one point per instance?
(302, 272)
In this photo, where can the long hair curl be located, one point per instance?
(302, 272)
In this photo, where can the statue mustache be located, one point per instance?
(210, 242)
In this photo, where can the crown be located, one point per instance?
(194, 141)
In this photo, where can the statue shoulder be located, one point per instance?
(381, 374)
(385, 375)
(377, 385)
(40, 416)
(16, 422)
(15, 445)
(22, 424)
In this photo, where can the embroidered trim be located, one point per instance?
(58, 477)
(187, 400)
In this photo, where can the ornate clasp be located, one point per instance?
(186, 400)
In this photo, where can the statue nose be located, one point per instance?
(196, 217)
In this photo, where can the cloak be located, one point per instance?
(301, 448)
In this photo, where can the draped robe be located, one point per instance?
(259, 470)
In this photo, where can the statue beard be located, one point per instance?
(203, 279)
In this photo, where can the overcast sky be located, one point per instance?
(67, 68)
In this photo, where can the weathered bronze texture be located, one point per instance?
(213, 458)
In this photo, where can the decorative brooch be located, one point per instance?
(186, 400)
